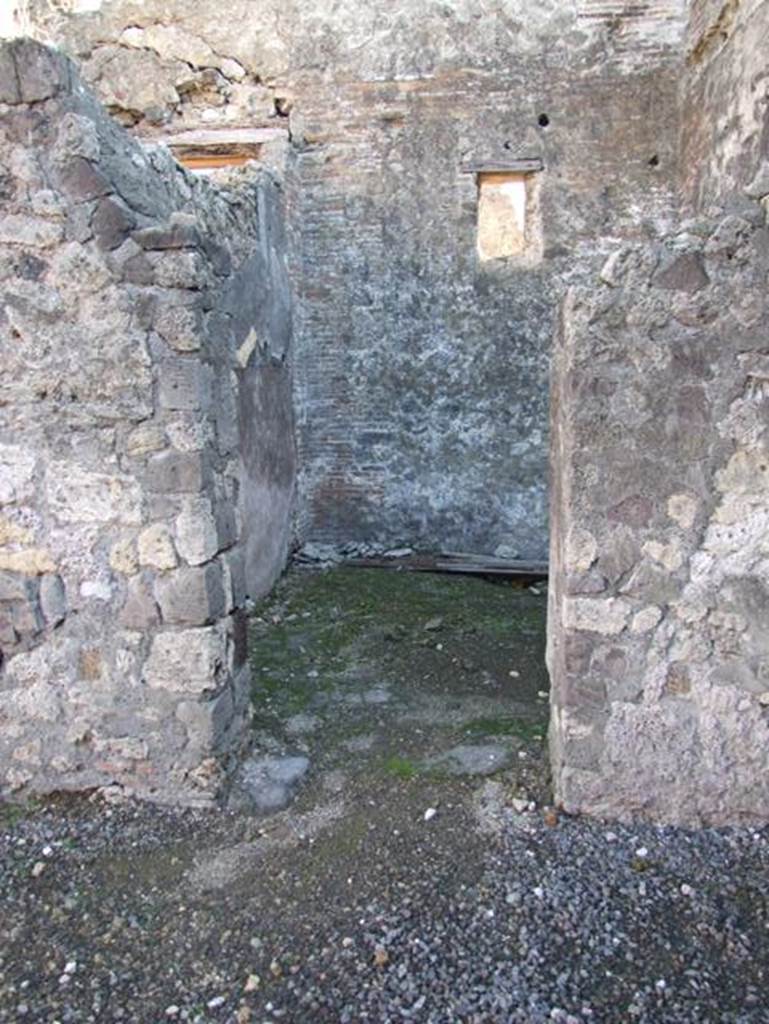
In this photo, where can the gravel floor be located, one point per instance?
(391, 889)
(477, 915)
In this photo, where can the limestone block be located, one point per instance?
(206, 722)
(123, 557)
(188, 661)
(192, 596)
(75, 262)
(646, 619)
(12, 532)
(189, 433)
(682, 509)
(17, 467)
(145, 439)
(597, 615)
(156, 548)
(30, 562)
(133, 80)
(668, 555)
(35, 232)
(581, 550)
(196, 531)
(76, 495)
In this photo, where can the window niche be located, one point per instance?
(508, 219)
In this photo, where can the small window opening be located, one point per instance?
(501, 215)
(509, 225)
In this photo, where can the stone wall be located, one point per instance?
(725, 131)
(144, 327)
(421, 374)
(658, 646)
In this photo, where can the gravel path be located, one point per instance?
(477, 915)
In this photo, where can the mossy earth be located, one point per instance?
(384, 673)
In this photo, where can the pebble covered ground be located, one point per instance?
(397, 885)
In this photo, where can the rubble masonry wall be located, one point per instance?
(660, 459)
(144, 330)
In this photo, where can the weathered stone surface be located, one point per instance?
(175, 472)
(420, 374)
(192, 597)
(181, 327)
(53, 599)
(111, 223)
(156, 548)
(185, 384)
(76, 495)
(267, 783)
(139, 610)
(196, 534)
(188, 661)
(42, 73)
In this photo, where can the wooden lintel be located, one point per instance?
(524, 165)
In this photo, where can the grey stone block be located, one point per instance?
(13, 587)
(82, 181)
(42, 72)
(181, 232)
(111, 223)
(184, 384)
(191, 596)
(140, 610)
(267, 783)
(175, 472)
(9, 83)
(53, 599)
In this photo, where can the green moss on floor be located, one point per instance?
(376, 670)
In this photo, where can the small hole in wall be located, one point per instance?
(543, 121)
(282, 105)
(654, 161)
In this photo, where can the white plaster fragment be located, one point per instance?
(246, 350)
